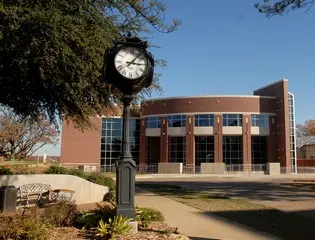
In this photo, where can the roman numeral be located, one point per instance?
(119, 68)
(130, 75)
(124, 72)
(141, 69)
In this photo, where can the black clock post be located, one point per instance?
(128, 67)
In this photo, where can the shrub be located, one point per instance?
(5, 171)
(110, 196)
(61, 214)
(100, 179)
(22, 170)
(97, 178)
(147, 215)
(29, 227)
(56, 170)
(91, 219)
(78, 173)
(115, 227)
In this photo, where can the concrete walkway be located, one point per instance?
(195, 223)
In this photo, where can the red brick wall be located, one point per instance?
(280, 90)
(306, 162)
(79, 147)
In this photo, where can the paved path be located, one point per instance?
(195, 223)
(271, 191)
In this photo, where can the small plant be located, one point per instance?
(105, 211)
(147, 215)
(57, 170)
(5, 171)
(102, 230)
(61, 214)
(115, 227)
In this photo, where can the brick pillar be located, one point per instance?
(247, 143)
(164, 140)
(190, 145)
(218, 138)
(272, 142)
(143, 161)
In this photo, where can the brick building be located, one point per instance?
(242, 131)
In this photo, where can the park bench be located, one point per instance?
(34, 191)
(42, 194)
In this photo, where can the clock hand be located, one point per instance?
(135, 63)
(134, 59)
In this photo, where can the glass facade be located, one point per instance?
(232, 120)
(177, 121)
(204, 149)
(153, 122)
(232, 150)
(204, 120)
(259, 150)
(292, 133)
(176, 149)
(260, 120)
(111, 141)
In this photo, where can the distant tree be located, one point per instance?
(281, 7)
(21, 136)
(51, 53)
(306, 129)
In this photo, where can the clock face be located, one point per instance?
(131, 62)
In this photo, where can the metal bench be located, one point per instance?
(34, 191)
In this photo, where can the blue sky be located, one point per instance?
(227, 47)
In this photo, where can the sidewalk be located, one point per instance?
(194, 223)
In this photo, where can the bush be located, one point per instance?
(91, 219)
(115, 227)
(110, 196)
(78, 173)
(100, 179)
(56, 170)
(20, 169)
(97, 178)
(62, 214)
(147, 215)
(29, 227)
(5, 171)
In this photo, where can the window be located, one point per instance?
(259, 150)
(292, 132)
(204, 147)
(260, 120)
(232, 120)
(204, 120)
(176, 150)
(111, 141)
(153, 122)
(177, 121)
(232, 150)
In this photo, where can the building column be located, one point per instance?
(272, 142)
(247, 143)
(143, 160)
(164, 140)
(190, 145)
(218, 138)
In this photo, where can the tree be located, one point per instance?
(306, 129)
(21, 136)
(281, 7)
(51, 53)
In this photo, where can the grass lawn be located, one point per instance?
(262, 218)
